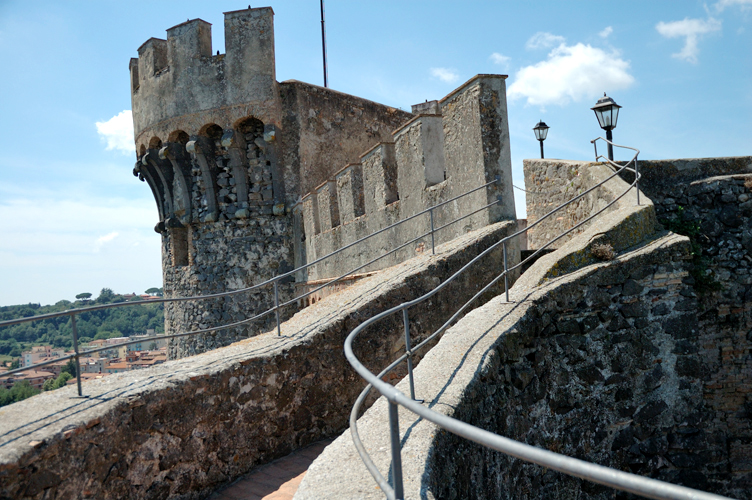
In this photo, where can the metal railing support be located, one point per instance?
(637, 180)
(276, 306)
(433, 245)
(409, 353)
(273, 281)
(506, 273)
(619, 480)
(396, 451)
(75, 357)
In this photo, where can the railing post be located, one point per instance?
(433, 249)
(276, 306)
(506, 277)
(75, 350)
(637, 180)
(408, 351)
(396, 452)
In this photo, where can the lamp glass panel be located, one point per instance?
(616, 116)
(599, 115)
(607, 116)
(543, 133)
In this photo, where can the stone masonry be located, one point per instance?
(229, 153)
(629, 363)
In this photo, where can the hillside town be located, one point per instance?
(152, 350)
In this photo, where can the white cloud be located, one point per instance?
(543, 40)
(106, 239)
(606, 32)
(499, 58)
(118, 132)
(573, 73)
(447, 75)
(690, 29)
(722, 4)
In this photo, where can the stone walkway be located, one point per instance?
(276, 480)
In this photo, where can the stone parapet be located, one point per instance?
(185, 427)
(462, 144)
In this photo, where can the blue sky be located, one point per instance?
(73, 218)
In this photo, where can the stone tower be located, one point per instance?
(227, 152)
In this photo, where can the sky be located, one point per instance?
(74, 219)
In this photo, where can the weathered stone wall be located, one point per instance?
(710, 199)
(179, 83)
(224, 147)
(550, 183)
(325, 130)
(623, 363)
(613, 370)
(462, 144)
(181, 429)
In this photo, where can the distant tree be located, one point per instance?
(106, 295)
(16, 363)
(48, 385)
(19, 391)
(153, 346)
(56, 383)
(83, 296)
(154, 291)
(69, 368)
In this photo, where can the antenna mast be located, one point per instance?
(323, 45)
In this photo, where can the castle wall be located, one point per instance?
(460, 144)
(180, 84)
(226, 173)
(326, 129)
(661, 353)
(631, 363)
(186, 427)
(550, 183)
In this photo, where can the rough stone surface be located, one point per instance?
(182, 428)
(227, 152)
(623, 363)
(433, 158)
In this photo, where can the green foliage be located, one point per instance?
(16, 363)
(680, 224)
(155, 291)
(83, 296)
(69, 368)
(19, 391)
(52, 383)
(57, 332)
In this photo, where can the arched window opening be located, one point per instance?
(179, 136)
(155, 143)
(250, 126)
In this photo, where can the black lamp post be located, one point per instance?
(541, 131)
(607, 112)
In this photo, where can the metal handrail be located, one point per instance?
(619, 480)
(76, 355)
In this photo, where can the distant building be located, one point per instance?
(35, 378)
(36, 353)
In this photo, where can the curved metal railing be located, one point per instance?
(274, 282)
(632, 483)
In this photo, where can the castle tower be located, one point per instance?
(227, 152)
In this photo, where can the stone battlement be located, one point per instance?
(435, 156)
(181, 75)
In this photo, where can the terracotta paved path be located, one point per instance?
(276, 480)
